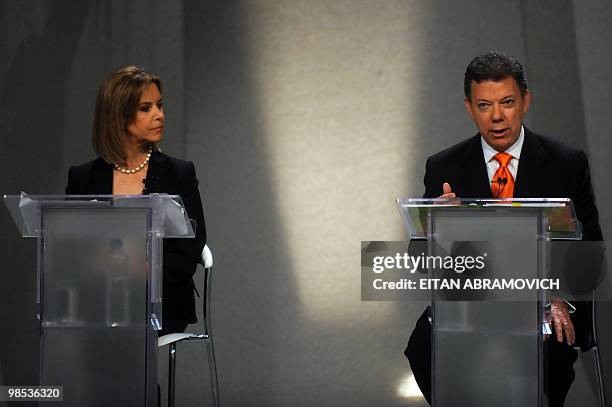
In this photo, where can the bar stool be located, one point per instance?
(206, 336)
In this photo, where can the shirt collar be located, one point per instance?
(514, 150)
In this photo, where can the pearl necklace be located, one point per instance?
(140, 167)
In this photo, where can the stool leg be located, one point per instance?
(171, 373)
(600, 383)
(210, 350)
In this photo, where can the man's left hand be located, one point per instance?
(560, 318)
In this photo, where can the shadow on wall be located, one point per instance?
(552, 66)
(47, 33)
(558, 111)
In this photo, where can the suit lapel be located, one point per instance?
(157, 172)
(476, 180)
(528, 183)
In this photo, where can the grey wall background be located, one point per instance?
(305, 120)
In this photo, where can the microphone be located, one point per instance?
(501, 181)
(150, 183)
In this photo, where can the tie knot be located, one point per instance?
(503, 159)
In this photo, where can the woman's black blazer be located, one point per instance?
(181, 256)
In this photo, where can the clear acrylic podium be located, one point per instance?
(99, 291)
(487, 348)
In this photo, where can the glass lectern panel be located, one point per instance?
(99, 289)
(562, 220)
(94, 304)
(487, 349)
(169, 215)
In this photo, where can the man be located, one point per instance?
(506, 160)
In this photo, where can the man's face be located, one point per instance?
(498, 108)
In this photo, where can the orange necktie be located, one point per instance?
(502, 184)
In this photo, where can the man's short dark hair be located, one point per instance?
(493, 66)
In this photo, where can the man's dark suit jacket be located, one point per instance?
(547, 169)
(181, 256)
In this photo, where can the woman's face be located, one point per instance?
(148, 124)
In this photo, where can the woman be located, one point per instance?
(128, 124)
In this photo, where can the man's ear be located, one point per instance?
(527, 99)
(468, 106)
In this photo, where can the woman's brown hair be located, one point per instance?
(116, 106)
